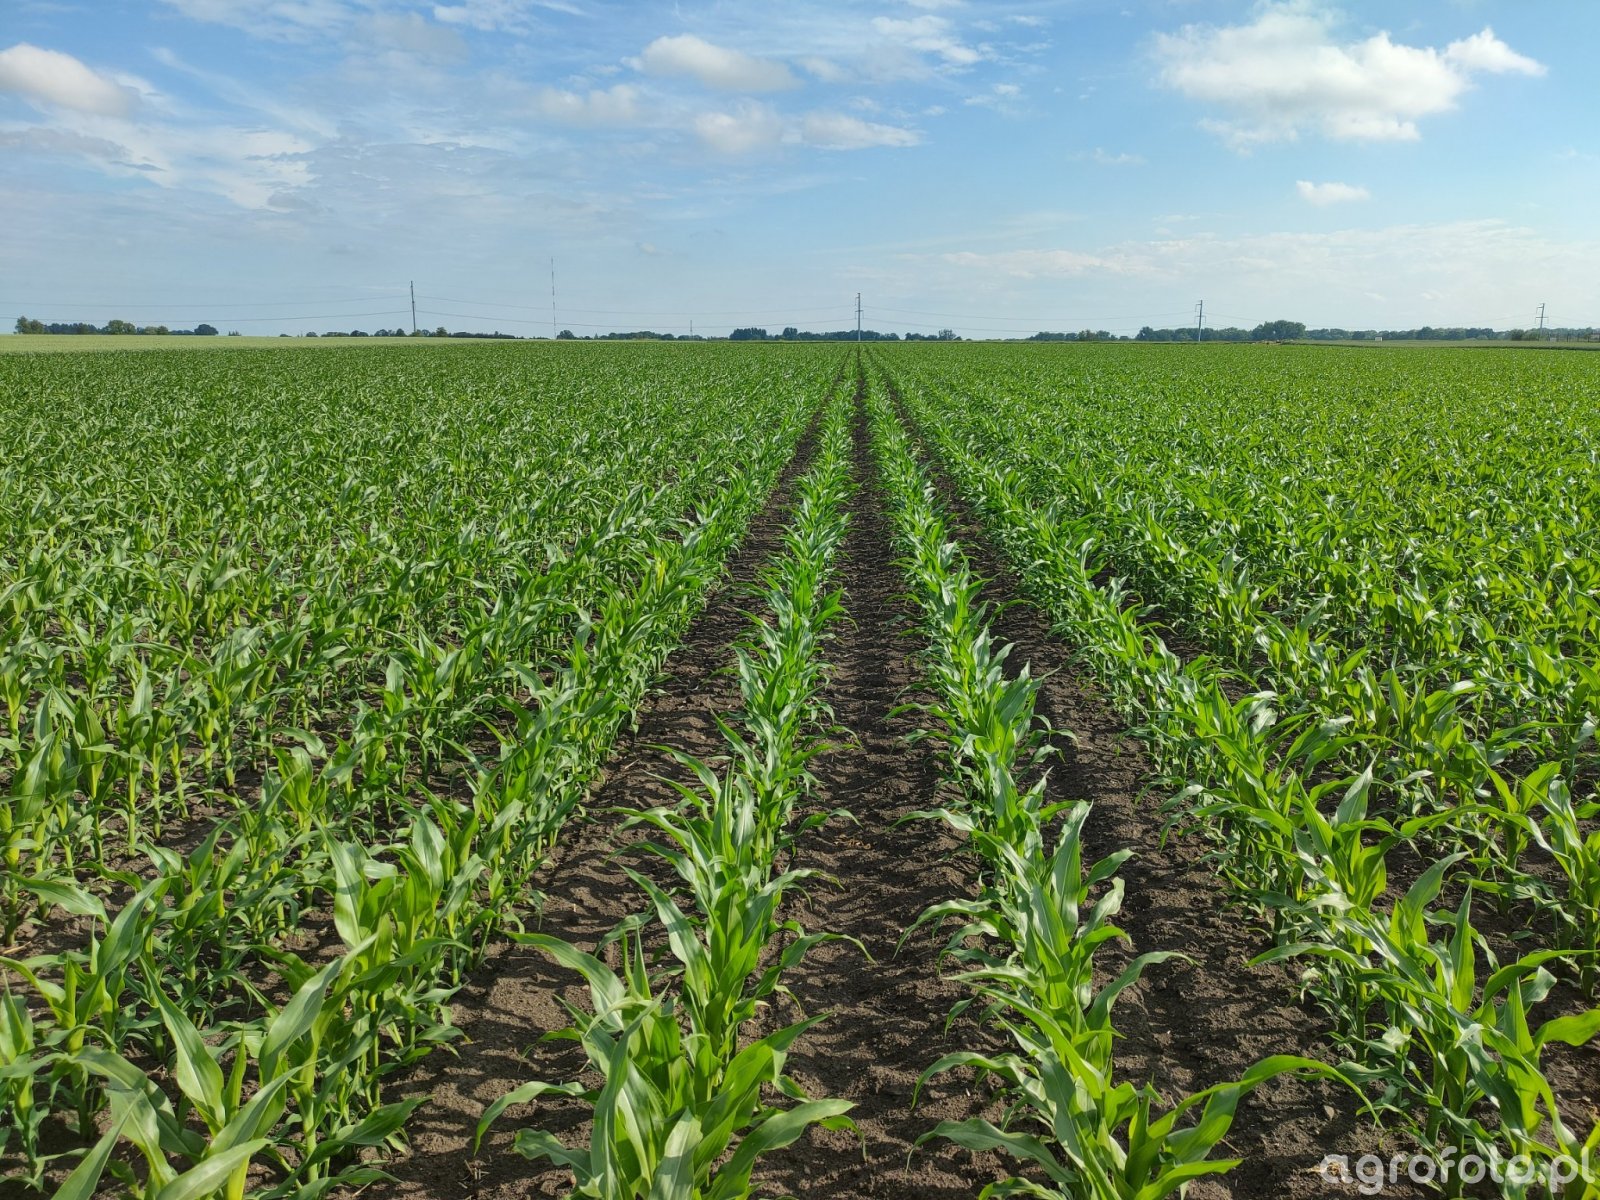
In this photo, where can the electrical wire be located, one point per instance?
(645, 312)
(879, 308)
(190, 306)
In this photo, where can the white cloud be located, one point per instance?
(58, 79)
(836, 131)
(714, 66)
(1002, 97)
(1046, 264)
(1400, 276)
(498, 16)
(617, 105)
(1286, 72)
(1107, 159)
(931, 35)
(279, 20)
(412, 33)
(1485, 52)
(1330, 193)
(751, 126)
(824, 69)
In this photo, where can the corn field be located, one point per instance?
(324, 674)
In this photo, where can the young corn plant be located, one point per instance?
(684, 1110)
(663, 1127)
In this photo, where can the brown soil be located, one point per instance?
(515, 997)
(886, 1017)
(886, 1022)
(1191, 1024)
(1188, 1025)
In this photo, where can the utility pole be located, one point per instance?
(1541, 322)
(413, 306)
(1200, 321)
(858, 316)
(552, 297)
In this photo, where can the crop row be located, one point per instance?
(1027, 944)
(275, 1047)
(685, 1106)
(1434, 1025)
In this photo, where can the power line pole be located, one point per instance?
(552, 296)
(413, 306)
(1200, 321)
(858, 316)
(1541, 322)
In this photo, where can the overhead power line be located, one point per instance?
(190, 306)
(646, 312)
(880, 308)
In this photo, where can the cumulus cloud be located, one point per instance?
(617, 105)
(1485, 52)
(50, 77)
(714, 66)
(750, 126)
(1287, 72)
(753, 126)
(1330, 193)
(837, 131)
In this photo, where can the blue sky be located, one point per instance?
(990, 167)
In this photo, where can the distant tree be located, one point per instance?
(311, 333)
(789, 331)
(751, 333)
(29, 325)
(566, 335)
(1277, 331)
(204, 330)
(441, 332)
(121, 327)
(948, 335)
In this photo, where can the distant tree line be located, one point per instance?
(30, 325)
(440, 332)
(754, 333)
(1278, 331)
(1267, 331)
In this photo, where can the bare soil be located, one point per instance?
(1188, 1025)
(1206, 1019)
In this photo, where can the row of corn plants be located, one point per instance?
(1027, 944)
(1436, 1026)
(688, 1101)
(180, 608)
(1401, 614)
(276, 1060)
